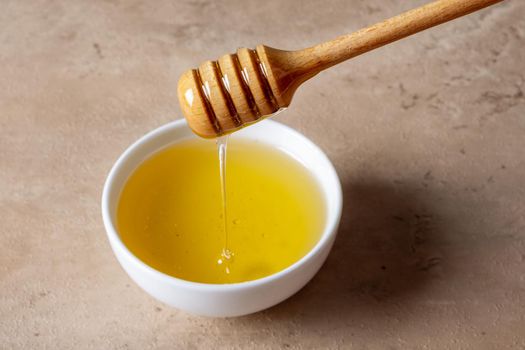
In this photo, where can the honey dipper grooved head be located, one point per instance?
(224, 95)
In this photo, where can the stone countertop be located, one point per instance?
(427, 134)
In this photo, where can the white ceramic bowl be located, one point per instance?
(234, 299)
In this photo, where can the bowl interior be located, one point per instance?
(268, 132)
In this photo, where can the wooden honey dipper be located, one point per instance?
(239, 89)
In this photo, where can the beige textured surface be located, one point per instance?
(427, 135)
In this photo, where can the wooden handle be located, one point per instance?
(332, 52)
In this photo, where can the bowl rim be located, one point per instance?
(329, 231)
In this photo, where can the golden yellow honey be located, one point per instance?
(170, 211)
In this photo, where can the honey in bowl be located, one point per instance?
(170, 212)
